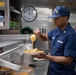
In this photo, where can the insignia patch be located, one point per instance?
(53, 38)
(60, 41)
(56, 11)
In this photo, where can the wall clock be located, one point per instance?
(29, 13)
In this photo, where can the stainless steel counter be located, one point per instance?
(42, 67)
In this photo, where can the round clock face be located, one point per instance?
(29, 13)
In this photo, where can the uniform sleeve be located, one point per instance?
(50, 35)
(70, 46)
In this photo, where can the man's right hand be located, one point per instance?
(42, 37)
(37, 33)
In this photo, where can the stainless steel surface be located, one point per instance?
(6, 43)
(42, 21)
(10, 50)
(42, 67)
(9, 65)
(16, 37)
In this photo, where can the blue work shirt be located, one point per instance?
(63, 44)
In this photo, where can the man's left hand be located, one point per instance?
(40, 56)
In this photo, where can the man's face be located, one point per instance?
(60, 21)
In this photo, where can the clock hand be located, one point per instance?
(29, 11)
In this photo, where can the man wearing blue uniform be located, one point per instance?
(63, 38)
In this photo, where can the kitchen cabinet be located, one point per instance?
(10, 14)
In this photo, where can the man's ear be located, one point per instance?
(66, 18)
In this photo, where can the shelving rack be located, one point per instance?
(8, 13)
(6, 18)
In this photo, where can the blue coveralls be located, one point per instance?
(63, 44)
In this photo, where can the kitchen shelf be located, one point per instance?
(6, 43)
(8, 51)
(4, 11)
(11, 12)
(1, 8)
(15, 37)
(2, 20)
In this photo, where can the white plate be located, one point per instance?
(39, 59)
(36, 53)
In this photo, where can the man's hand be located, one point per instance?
(37, 33)
(40, 56)
(58, 59)
(42, 37)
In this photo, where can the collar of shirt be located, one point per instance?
(59, 31)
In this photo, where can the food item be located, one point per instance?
(33, 51)
(20, 73)
(2, 4)
(4, 68)
(5, 71)
(33, 38)
(8, 72)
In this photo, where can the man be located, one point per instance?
(63, 38)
